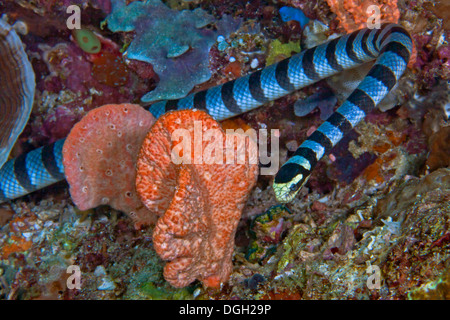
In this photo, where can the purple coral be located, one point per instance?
(433, 63)
(69, 90)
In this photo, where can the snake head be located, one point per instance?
(289, 180)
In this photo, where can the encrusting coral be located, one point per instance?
(355, 14)
(99, 158)
(199, 202)
(75, 82)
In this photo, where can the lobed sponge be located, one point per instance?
(199, 202)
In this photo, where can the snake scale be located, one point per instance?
(390, 45)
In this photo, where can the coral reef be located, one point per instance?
(178, 51)
(329, 257)
(354, 14)
(441, 9)
(279, 51)
(17, 85)
(439, 145)
(200, 199)
(267, 230)
(109, 68)
(434, 290)
(433, 59)
(99, 157)
(378, 201)
(72, 82)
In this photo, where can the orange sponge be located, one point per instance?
(99, 158)
(200, 204)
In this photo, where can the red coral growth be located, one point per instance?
(110, 69)
(437, 132)
(99, 158)
(235, 124)
(16, 244)
(433, 60)
(439, 156)
(200, 204)
(143, 69)
(441, 9)
(282, 294)
(79, 84)
(108, 66)
(353, 15)
(234, 69)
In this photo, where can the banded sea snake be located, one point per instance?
(390, 45)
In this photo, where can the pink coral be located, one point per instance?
(99, 158)
(199, 204)
(77, 82)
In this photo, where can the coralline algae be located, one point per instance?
(176, 43)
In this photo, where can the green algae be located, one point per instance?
(279, 50)
(266, 230)
(87, 40)
(434, 290)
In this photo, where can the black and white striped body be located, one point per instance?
(32, 171)
(305, 68)
(391, 44)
